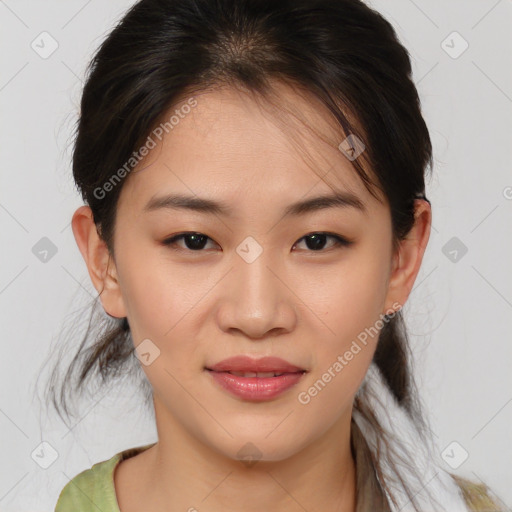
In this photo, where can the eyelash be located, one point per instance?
(340, 242)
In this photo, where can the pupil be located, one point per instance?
(198, 241)
(318, 241)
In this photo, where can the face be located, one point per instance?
(259, 278)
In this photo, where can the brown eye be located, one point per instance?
(193, 241)
(316, 241)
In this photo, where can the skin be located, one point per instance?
(293, 302)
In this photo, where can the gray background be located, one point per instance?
(459, 313)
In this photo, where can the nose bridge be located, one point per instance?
(256, 301)
(258, 285)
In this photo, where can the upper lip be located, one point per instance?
(248, 364)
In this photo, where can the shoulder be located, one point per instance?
(90, 489)
(93, 489)
(478, 496)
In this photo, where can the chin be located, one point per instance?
(258, 448)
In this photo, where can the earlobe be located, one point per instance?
(100, 264)
(407, 261)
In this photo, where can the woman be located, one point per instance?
(255, 219)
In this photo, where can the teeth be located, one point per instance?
(256, 374)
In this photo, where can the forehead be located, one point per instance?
(234, 148)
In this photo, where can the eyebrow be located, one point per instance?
(209, 206)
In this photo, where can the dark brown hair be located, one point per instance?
(343, 52)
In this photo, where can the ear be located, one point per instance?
(99, 261)
(407, 259)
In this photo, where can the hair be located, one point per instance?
(345, 54)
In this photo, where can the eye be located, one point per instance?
(195, 241)
(316, 241)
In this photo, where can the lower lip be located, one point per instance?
(256, 388)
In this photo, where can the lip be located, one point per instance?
(248, 364)
(255, 388)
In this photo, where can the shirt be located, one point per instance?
(93, 489)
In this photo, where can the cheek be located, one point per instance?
(157, 294)
(161, 300)
(350, 304)
(347, 298)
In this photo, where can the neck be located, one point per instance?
(190, 475)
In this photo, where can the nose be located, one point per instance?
(257, 299)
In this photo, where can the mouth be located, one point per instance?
(255, 380)
(259, 375)
(246, 366)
